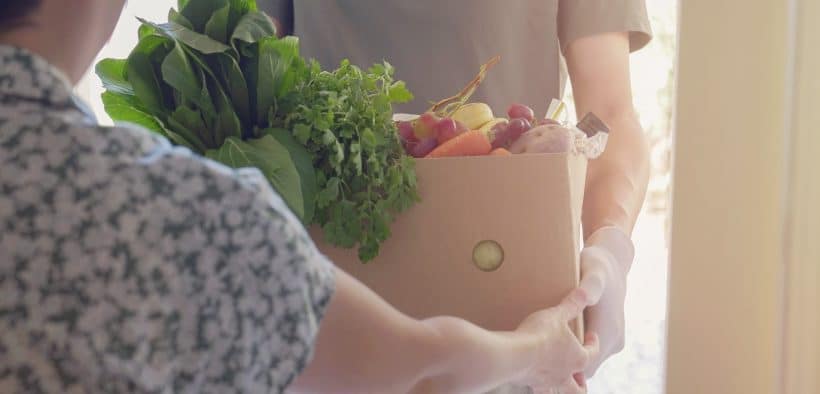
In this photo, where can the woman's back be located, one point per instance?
(130, 266)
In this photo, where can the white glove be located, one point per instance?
(605, 262)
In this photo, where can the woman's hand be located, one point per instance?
(559, 355)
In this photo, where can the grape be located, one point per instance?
(447, 129)
(424, 125)
(406, 131)
(517, 127)
(424, 147)
(513, 130)
(521, 111)
(498, 134)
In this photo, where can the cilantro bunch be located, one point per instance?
(215, 79)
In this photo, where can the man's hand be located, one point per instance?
(605, 263)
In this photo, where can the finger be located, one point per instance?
(573, 305)
(592, 348)
(592, 345)
(570, 386)
(593, 281)
(581, 380)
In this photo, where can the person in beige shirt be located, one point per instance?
(437, 45)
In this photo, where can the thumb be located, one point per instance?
(593, 275)
(573, 305)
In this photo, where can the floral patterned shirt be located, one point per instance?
(128, 265)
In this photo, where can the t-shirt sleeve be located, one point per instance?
(288, 283)
(250, 285)
(583, 18)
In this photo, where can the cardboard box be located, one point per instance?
(529, 204)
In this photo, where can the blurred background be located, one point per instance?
(639, 368)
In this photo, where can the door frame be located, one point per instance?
(743, 304)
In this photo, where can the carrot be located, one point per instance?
(471, 143)
(500, 152)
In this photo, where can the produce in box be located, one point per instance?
(454, 127)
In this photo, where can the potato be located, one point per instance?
(545, 139)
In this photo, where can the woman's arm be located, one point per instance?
(367, 346)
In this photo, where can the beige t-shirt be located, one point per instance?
(437, 46)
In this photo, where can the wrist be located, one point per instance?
(468, 358)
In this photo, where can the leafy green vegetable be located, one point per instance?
(303, 161)
(253, 27)
(217, 26)
(123, 108)
(216, 79)
(180, 33)
(274, 160)
(112, 75)
(141, 74)
(348, 126)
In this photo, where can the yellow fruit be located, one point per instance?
(488, 127)
(474, 115)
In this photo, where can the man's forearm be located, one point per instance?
(617, 181)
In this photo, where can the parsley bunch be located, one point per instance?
(345, 121)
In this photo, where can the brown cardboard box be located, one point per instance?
(529, 204)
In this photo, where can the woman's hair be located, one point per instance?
(14, 12)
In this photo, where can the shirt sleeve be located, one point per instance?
(248, 288)
(287, 282)
(583, 18)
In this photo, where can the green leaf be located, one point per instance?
(188, 125)
(124, 109)
(112, 74)
(236, 85)
(304, 165)
(200, 11)
(227, 122)
(253, 27)
(180, 74)
(145, 31)
(329, 194)
(142, 75)
(399, 93)
(277, 73)
(238, 9)
(217, 26)
(193, 39)
(302, 133)
(272, 159)
(176, 17)
(368, 139)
